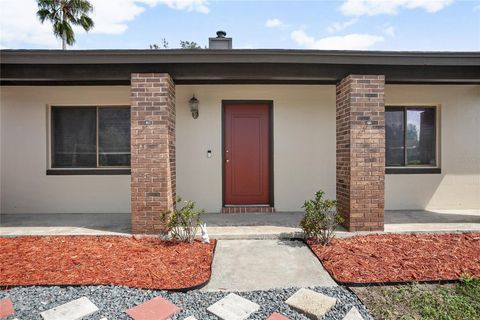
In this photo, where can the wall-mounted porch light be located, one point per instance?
(194, 107)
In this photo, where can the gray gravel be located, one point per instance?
(114, 300)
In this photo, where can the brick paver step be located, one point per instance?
(312, 304)
(73, 310)
(6, 308)
(156, 309)
(353, 314)
(277, 316)
(233, 307)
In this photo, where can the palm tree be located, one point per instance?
(62, 14)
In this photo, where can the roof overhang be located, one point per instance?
(253, 66)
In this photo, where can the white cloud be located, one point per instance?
(190, 5)
(352, 41)
(275, 23)
(376, 7)
(389, 31)
(339, 26)
(19, 24)
(112, 17)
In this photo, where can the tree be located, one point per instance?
(63, 14)
(189, 45)
(183, 45)
(156, 46)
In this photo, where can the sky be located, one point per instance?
(403, 25)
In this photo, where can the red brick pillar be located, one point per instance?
(361, 151)
(152, 149)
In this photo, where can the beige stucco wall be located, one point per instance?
(458, 187)
(25, 187)
(304, 141)
(304, 148)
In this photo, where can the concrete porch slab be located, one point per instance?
(278, 225)
(54, 231)
(432, 220)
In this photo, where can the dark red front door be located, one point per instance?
(247, 153)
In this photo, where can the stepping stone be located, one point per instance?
(277, 316)
(156, 309)
(73, 310)
(6, 308)
(312, 304)
(233, 307)
(353, 314)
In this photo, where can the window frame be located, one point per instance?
(98, 170)
(420, 169)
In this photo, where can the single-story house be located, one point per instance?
(238, 131)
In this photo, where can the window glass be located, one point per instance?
(421, 136)
(74, 137)
(114, 136)
(394, 137)
(410, 136)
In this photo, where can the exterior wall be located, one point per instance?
(458, 186)
(304, 143)
(304, 148)
(25, 187)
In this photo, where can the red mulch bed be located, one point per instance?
(398, 258)
(87, 260)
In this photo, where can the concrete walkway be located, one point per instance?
(245, 265)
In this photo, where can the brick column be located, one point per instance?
(361, 151)
(152, 149)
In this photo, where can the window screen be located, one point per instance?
(74, 137)
(395, 137)
(114, 136)
(90, 137)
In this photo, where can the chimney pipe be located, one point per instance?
(220, 41)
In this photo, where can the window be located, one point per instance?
(410, 134)
(90, 137)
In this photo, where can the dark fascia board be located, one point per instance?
(231, 73)
(200, 56)
(265, 66)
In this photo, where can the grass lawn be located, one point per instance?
(423, 301)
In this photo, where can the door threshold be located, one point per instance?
(247, 209)
(246, 205)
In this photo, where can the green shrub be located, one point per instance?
(182, 224)
(321, 219)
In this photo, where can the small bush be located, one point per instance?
(183, 223)
(321, 219)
